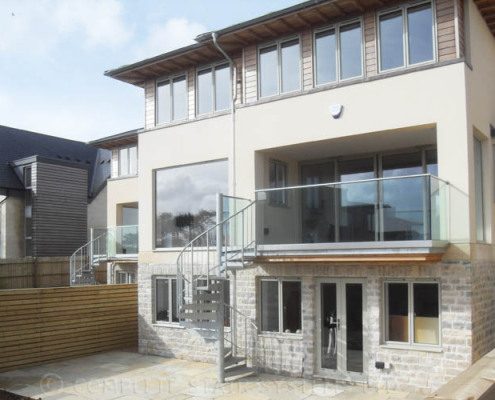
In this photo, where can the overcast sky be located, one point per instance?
(53, 54)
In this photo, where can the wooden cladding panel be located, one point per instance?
(59, 209)
(149, 104)
(250, 75)
(446, 41)
(307, 59)
(43, 325)
(370, 52)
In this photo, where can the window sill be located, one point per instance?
(118, 178)
(173, 325)
(281, 335)
(410, 347)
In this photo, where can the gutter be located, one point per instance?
(232, 107)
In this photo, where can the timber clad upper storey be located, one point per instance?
(299, 54)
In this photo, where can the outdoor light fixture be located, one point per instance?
(336, 110)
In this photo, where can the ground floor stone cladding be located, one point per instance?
(466, 329)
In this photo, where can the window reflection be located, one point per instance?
(391, 41)
(420, 33)
(186, 201)
(351, 62)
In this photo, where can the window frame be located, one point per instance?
(479, 191)
(212, 68)
(119, 169)
(170, 79)
(337, 27)
(403, 8)
(411, 344)
(278, 43)
(129, 277)
(169, 279)
(280, 306)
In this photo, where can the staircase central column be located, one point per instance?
(221, 339)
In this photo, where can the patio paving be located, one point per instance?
(127, 375)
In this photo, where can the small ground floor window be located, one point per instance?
(412, 314)
(280, 305)
(166, 299)
(123, 277)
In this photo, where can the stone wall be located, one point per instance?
(294, 354)
(483, 287)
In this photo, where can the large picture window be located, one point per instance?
(280, 302)
(185, 201)
(171, 100)
(338, 53)
(412, 313)
(280, 68)
(406, 36)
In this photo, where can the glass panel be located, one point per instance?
(161, 301)
(291, 297)
(354, 326)
(180, 98)
(328, 325)
(223, 93)
(126, 239)
(123, 162)
(351, 62)
(278, 179)
(29, 247)
(397, 308)
(175, 317)
(291, 66)
(391, 41)
(426, 313)
(205, 91)
(129, 215)
(133, 160)
(185, 201)
(478, 184)
(420, 33)
(28, 211)
(163, 102)
(358, 201)
(269, 306)
(326, 64)
(403, 200)
(268, 71)
(318, 203)
(431, 162)
(29, 227)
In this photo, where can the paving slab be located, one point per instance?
(127, 375)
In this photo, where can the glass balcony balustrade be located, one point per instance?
(408, 208)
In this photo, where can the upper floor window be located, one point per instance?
(280, 68)
(338, 53)
(171, 99)
(213, 89)
(128, 161)
(406, 36)
(27, 172)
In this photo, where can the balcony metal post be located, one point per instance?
(219, 232)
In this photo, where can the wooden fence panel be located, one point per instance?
(40, 272)
(48, 324)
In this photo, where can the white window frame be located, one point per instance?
(337, 27)
(279, 43)
(405, 35)
(410, 299)
(280, 282)
(128, 277)
(169, 279)
(480, 197)
(120, 174)
(212, 68)
(170, 80)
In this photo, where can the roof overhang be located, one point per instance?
(118, 140)
(233, 38)
(487, 10)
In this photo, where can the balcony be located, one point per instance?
(398, 216)
(116, 243)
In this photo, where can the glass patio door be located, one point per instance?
(340, 344)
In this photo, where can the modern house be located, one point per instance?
(52, 190)
(351, 141)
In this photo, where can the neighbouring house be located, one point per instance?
(351, 141)
(121, 234)
(52, 191)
